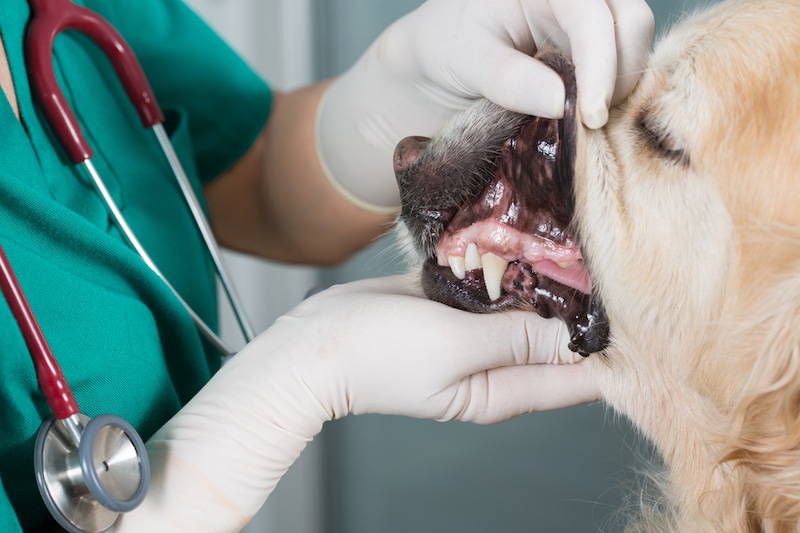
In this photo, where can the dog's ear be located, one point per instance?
(765, 430)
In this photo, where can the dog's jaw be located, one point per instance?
(488, 204)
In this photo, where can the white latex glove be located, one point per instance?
(436, 60)
(376, 346)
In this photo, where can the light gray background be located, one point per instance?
(566, 471)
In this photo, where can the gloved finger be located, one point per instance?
(516, 81)
(490, 340)
(589, 24)
(503, 393)
(635, 24)
(500, 340)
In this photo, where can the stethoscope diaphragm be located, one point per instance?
(86, 487)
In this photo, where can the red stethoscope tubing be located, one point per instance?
(51, 18)
(51, 379)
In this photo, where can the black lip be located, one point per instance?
(589, 333)
(582, 313)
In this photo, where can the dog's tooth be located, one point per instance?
(493, 269)
(458, 266)
(472, 259)
(565, 264)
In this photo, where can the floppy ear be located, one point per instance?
(765, 429)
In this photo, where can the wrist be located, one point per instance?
(354, 154)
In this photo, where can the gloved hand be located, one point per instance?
(436, 60)
(376, 346)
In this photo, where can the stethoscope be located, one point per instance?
(91, 470)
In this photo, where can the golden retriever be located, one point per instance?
(686, 218)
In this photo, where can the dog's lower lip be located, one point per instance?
(530, 291)
(582, 314)
(467, 293)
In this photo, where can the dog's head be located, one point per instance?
(488, 205)
(682, 217)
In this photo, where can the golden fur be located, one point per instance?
(688, 211)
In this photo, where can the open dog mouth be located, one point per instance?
(488, 204)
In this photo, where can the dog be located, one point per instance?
(668, 242)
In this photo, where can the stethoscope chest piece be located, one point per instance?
(86, 487)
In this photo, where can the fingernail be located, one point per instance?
(594, 114)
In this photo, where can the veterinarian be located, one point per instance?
(302, 177)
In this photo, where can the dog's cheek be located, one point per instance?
(597, 219)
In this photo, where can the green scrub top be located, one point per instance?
(124, 342)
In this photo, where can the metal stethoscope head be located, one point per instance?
(88, 471)
(86, 483)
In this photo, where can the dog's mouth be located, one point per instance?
(503, 239)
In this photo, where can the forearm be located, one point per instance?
(218, 459)
(279, 203)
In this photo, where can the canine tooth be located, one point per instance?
(457, 265)
(471, 259)
(493, 269)
(565, 264)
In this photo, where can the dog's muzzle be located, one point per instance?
(490, 206)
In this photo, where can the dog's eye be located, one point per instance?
(668, 145)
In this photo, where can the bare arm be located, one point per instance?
(277, 202)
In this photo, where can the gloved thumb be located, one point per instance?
(536, 372)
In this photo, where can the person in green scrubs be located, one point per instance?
(299, 177)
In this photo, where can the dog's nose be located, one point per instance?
(407, 152)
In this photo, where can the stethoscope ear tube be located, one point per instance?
(51, 17)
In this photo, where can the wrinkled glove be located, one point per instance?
(436, 60)
(376, 346)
